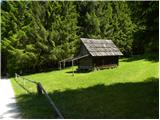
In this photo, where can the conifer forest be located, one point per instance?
(35, 35)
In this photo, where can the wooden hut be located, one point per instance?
(95, 53)
(98, 53)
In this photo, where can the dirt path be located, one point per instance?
(8, 107)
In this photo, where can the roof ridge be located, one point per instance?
(95, 39)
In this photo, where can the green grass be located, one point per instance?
(128, 91)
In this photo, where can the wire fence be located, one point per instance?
(39, 89)
(27, 85)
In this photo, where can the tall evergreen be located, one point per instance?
(111, 20)
(32, 42)
(123, 26)
(37, 34)
(145, 15)
(63, 29)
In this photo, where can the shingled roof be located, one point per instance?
(101, 47)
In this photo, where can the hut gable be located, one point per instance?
(101, 47)
(83, 51)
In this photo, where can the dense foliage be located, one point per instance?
(36, 35)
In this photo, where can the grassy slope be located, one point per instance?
(129, 91)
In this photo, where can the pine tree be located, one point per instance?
(123, 26)
(36, 35)
(110, 20)
(63, 29)
(145, 16)
(14, 20)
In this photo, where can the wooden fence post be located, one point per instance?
(72, 67)
(39, 89)
(16, 75)
(63, 64)
(60, 65)
(51, 102)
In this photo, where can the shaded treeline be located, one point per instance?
(36, 34)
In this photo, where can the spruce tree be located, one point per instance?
(36, 35)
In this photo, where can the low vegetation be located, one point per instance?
(128, 91)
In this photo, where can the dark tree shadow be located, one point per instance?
(154, 57)
(13, 110)
(122, 100)
(33, 106)
(44, 70)
(82, 71)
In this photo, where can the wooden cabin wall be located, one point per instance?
(91, 62)
(106, 60)
(85, 63)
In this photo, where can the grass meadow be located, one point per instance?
(129, 91)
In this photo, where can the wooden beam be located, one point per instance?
(60, 65)
(67, 59)
(72, 67)
(79, 57)
(63, 64)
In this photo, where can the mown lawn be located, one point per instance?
(128, 91)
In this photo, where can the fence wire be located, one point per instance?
(32, 86)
